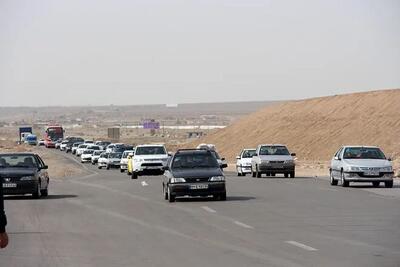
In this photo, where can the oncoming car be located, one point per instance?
(87, 155)
(96, 155)
(114, 160)
(366, 164)
(24, 173)
(103, 160)
(243, 163)
(193, 172)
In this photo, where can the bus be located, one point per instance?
(52, 134)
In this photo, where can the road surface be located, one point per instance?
(106, 219)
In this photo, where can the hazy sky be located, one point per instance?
(74, 52)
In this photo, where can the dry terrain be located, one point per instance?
(316, 128)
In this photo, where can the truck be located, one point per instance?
(24, 132)
(31, 139)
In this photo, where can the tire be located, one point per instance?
(44, 192)
(253, 174)
(243, 174)
(375, 184)
(239, 174)
(258, 174)
(37, 194)
(134, 175)
(171, 198)
(389, 184)
(99, 167)
(108, 167)
(344, 182)
(286, 175)
(332, 179)
(121, 170)
(222, 197)
(165, 194)
(273, 174)
(292, 175)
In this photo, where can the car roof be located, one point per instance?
(246, 149)
(18, 154)
(347, 146)
(273, 145)
(150, 145)
(193, 151)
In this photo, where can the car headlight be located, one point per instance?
(387, 169)
(27, 178)
(177, 180)
(354, 169)
(217, 179)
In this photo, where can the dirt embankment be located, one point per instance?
(316, 128)
(59, 167)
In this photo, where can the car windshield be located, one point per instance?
(363, 153)
(97, 152)
(82, 146)
(104, 155)
(126, 153)
(248, 154)
(150, 150)
(88, 151)
(194, 160)
(274, 150)
(18, 161)
(115, 155)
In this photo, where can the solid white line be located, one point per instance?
(208, 209)
(300, 245)
(144, 183)
(243, 225)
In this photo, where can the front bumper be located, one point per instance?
(148, 166)
(360, 177)
(86, 159)
(23, 187)
(184, 189)
(277, 168)
(124, 166)
(245, 168)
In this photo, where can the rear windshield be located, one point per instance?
(248, 154)
(88, 151)
(274, 150)
(97, 152)
(150, 150)
(363, 153)
(115, 155)
(18, 161)
(195, 160)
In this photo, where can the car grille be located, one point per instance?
(153, 160)
(361, 174)
(276, 162)
(197, 180)
(152, 165)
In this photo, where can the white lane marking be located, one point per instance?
(208, 209)
(300, 245)
(328, 189)
(144, 183)
(243, 225)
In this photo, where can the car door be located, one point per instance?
(41, 172)
(336, 164)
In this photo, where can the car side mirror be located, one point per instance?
(224, 165)
(337, 158)
(293, 154)
(255, 155)
(222, 158)
(45, 167)
(238, 157)
(389, 159)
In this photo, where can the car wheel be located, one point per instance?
(37, 193)
(122, 170)
(389, 184)
(165, 194)
(253, 174)
(239, 174)
(273, 174)
(243, 174)
(99, 167)
(171, 198)
(44, 192)
(258, 173)
(108, 167)
(375, 184)
(292, 175)
(332, 180)
(344, 182)
(222, 197)
(286, 175)
(134, 175)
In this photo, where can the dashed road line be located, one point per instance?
(243, 225)
(144, 183)
(208, 209)
(301, 245)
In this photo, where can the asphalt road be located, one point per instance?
(106, 219)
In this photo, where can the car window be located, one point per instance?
(338, 152)
(18, 161)
(150, 150)
(363, 153)
(248, 153)
(274, 150)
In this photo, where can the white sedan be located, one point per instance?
(243, 161)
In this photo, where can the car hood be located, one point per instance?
(161, 156)
(276, 157)
(197, 173)
(12, 172)
(367, 162)
(245, 161)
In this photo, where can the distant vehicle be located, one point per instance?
(102, 144)
(193, 172)
(80, 149)
(52, 134)
(88, 142)
(71, 142)
(272, 160)
(57, 144)
(96, 155)
(31, 139)
(86, 155)
(103, 160)
(149, 159)
(75, 147)
(63, 145)
(24, 173)
(221, 161)
(93, 147)
(365, 164)
(41, 142)
(114, 160)
(24, 132)
(124, 159)
(110, 148)
(243, 161)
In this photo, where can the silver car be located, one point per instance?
(361, 164)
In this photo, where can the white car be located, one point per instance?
(80, 149)
(366, 164)
(243, 161)
(86, 155)
(96, 155)
(149, 158)
(103, 160)
(124, 159)
(63, 145)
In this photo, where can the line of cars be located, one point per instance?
(361, 164)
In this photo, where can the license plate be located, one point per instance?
(199, 186)
(9, 185)
(371, 173)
